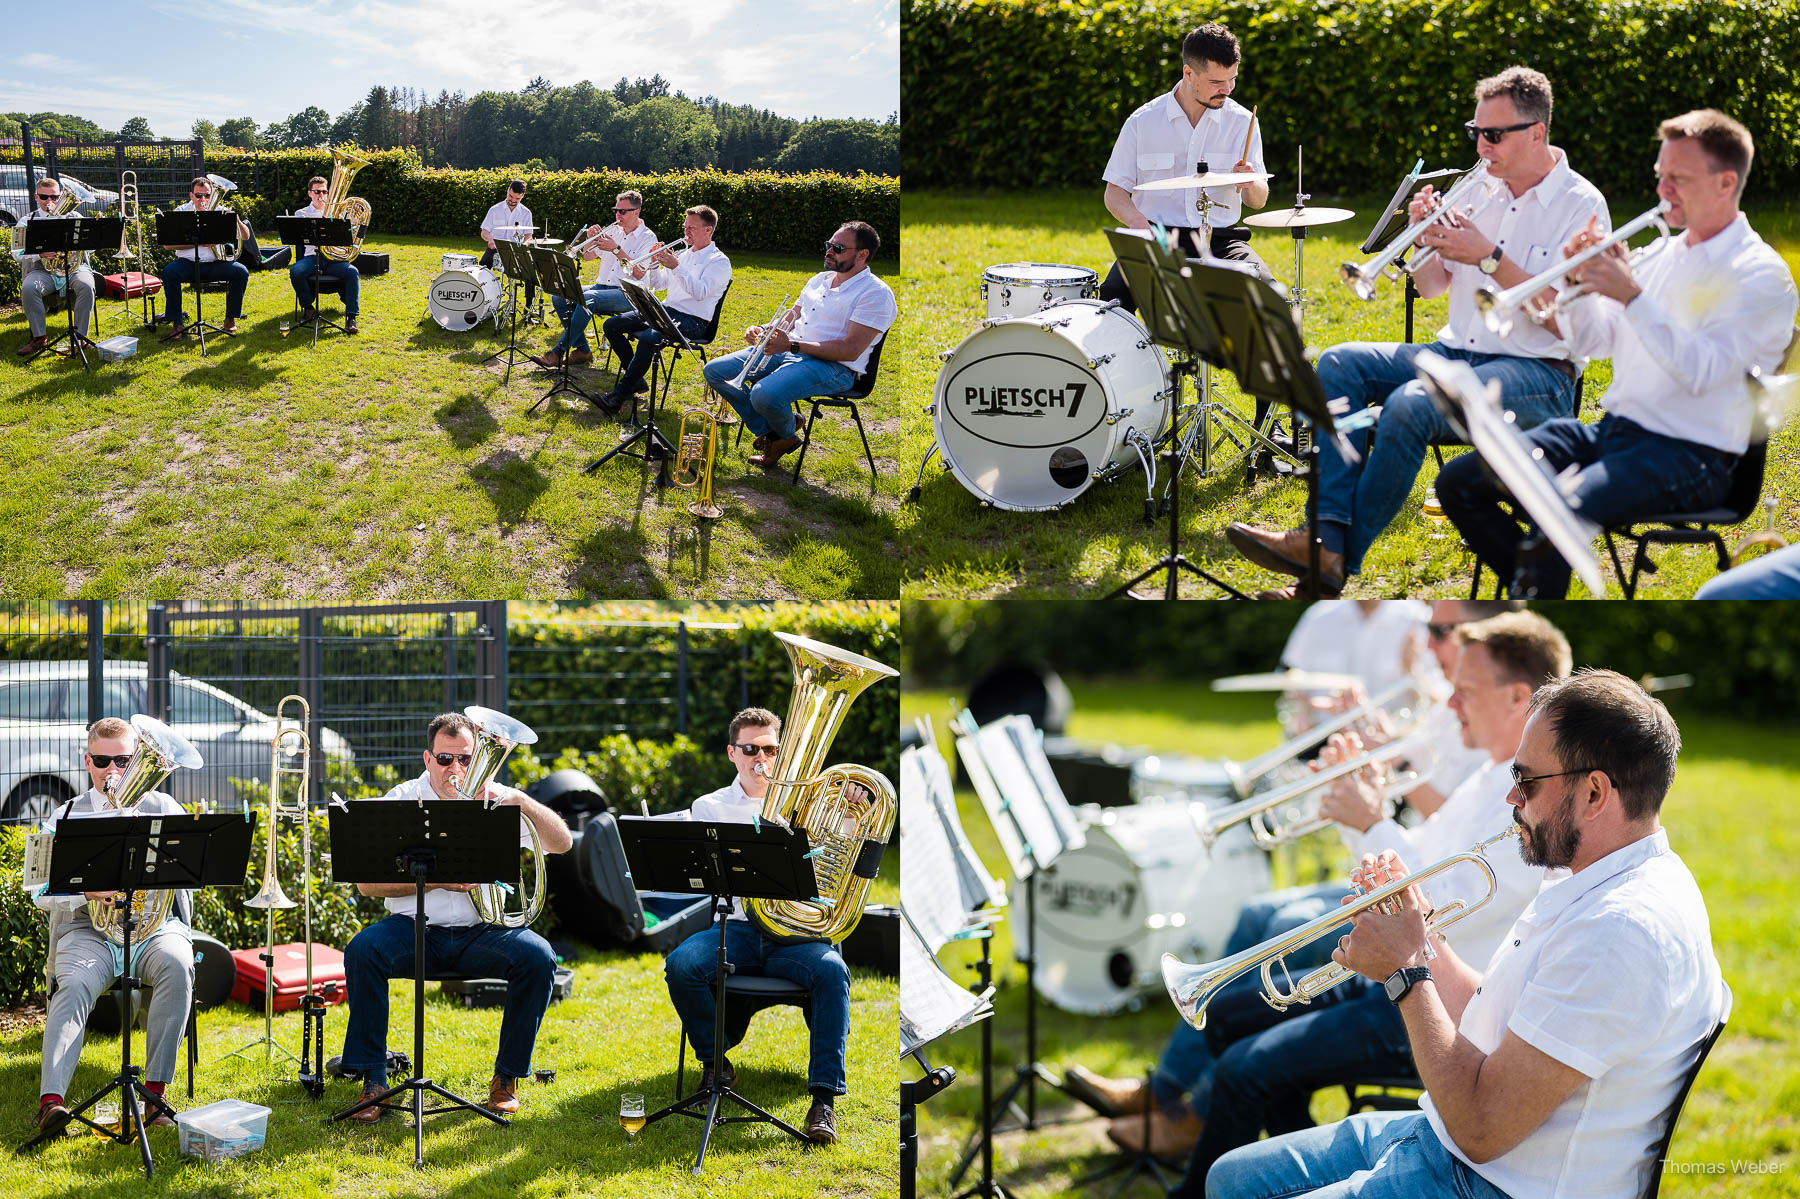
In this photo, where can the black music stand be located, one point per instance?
(516, 265)
(1392, 222)
(197, 229)
(560, 275)
(419, 842)
(724, 860)
(656, 447)
(129, 854)
(73, 235)
(658, 318)
(317, 232)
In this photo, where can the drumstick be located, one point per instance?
(1248, 134)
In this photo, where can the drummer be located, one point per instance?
(1195, 122)
(508, 220)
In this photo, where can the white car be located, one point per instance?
(43, 731)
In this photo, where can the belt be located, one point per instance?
(1562, 365)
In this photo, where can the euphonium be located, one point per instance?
(160, 752)
(848, 838)
(340, 205)
(694, 460)
(61, 263)
(224, 251)
(495, 736)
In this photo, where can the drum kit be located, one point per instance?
(465, 293)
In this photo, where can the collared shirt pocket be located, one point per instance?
(1155, 166)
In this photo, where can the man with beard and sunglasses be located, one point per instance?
(1556, 1069)
(841, 316)
(456, 938)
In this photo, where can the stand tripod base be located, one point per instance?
(1024, 1076)
(135, 1103)
(656, 448)
(417, 1087)
(714, 1097)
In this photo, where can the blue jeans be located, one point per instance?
(1358, 500)
(384, 950)
(1376, 1155)
(185, 270)
(1186, 1064)
(1771, 577)
(1626, 472)
(598, 300)
(815, 965)
(301, 276)
(619, 331)
(783, 380)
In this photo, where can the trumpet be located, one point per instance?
(1243, 775)
(694, 464)
(673, 247)
(1499, 308)
(1259, 810)
(1471, 188)
(783, 322)
(613, 231)
(1191, 987)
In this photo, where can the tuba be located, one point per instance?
(225, 251)
(160, 752)
(495, 736)
(340, 205)
(848, 838)
(694, 460)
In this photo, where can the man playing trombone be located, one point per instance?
(1682, 324)
(615, 245)
(1554, 1070)
(1532, 203)
(696, 280)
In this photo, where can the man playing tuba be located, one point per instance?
(305, 271)
(456, 938)
(82, 962)
(203, 264)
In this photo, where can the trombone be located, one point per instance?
(1191, 988)
(1499, 308)
(1259, 810)
(694, 461)
(1361, 279)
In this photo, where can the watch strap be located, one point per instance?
(1402, 981)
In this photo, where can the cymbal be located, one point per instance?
(547, 241)
(1287, 680)
(512, 228)
(1294, 218)
(1210, 179)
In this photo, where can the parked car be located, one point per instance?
(16, 201)
(43, 731)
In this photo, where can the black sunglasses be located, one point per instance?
(1524, 781)
(624, 209)
(459, 759)
(1437, 632)
(750, 751)
(48, 195)
(102, 761)
(1496, 132)
(835, 247)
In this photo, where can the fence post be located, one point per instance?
(25, 140)
(96, 635)
(312, 628)
(681, 677)
(492, 689)
(743, 669)
(156, 658)
(449, 636)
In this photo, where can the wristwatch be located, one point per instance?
(1401, 981)
(1491, 263)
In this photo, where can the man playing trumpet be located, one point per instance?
(696, 280)
(1682, 326)
(632, 239)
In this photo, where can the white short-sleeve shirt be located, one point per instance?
(1337, 637)
(1157, 142)
(729, 805)
(696, 282)
(827, 312)
(1610, 971)
(637, 243)
(205, 253)
(495, 223)
(445, 908)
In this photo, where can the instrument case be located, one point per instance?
(371, 262)
(491, 992)
(596, 900)
(131, 284)
(290, 975)
(874, 943)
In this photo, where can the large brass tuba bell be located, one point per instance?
(496, 734)
(160, 752)
(341, 205)
(848, 835)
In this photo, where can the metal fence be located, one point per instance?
(164, 167)
(372, 676)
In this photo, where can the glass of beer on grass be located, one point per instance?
(631, 1116)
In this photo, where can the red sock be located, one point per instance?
(45, 1101)
(155, 1088)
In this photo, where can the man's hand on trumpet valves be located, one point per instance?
(1456, 239)
(1607, 274)
(1383, 942)
(1356, 801)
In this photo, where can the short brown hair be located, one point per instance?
(1211, 43)
(449, 722)
(706, 215)
(316, 179)
(1601, 720)
(636, 198)
(517, 185)
(1528, 90)
(1726, 143)
(1525, 647)
(760, 718)
(865, 235)
(110, 726)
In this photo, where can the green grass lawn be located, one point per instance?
(1730, 816)
(616, 1033)
(395, 464)
(954, 547)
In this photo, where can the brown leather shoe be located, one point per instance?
(1111, 1096)
(821, 1123)
(503, 1095)
(31, 347)
(550, 359)
(1170, 1138)
(350, 325)
(759, 441)
(1328, 589)
(1284, 552)
(230, 328)
(53, 1118)
(161, 1119)
(579, 358)
(369, 1115)
(773, 449)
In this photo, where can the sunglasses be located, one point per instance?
(317, 191)
(1437, 632)
(1524, 781)
(102, 761)
(1494, 133)
(750, 751)
(835, 247)
(459, 759)
(48, 195)
(624, 210)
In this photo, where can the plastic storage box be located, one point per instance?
(117, 349)
(224, 1129)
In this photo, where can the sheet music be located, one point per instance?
(931, 1004)
(979, 888)
(1029, 743)
(1019, 856)
(1024, 801)
(928, 861)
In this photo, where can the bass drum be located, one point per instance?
(1016, 288)
(1031, 412)
(463, 297)
(1141, 887)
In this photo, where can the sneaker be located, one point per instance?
(821, 1123)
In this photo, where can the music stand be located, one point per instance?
(658, 318)
(560, 275)
(197, 229)
(932, 1005)
(419, 842)
(317, 232)
(656, 447)
(724, 860)
(128, 854)
(516, 265)
(1386, 228)
(73, 235)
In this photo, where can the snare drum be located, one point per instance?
(462, 298)
(1031, 412)
(1141, 886)
(453, 262)
(1016, 288)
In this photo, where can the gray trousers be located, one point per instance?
(38, 286)
(84, 968)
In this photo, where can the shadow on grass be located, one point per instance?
(512, 484)
(467, 420)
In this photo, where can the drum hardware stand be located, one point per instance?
(912, 1093)
(1138, 1162)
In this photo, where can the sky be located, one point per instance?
(268, 59)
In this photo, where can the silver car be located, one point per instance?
(43, 731)
(16, 201)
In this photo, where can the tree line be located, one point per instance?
(636, 125)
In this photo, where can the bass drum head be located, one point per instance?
(1021, 408)
(462, 298)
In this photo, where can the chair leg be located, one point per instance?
(856, 415)
(193, 1047)
(681, 1063)
(805, 442)
(1628, 584)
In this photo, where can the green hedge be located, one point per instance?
(1031, 93)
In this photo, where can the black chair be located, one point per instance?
(1687, 1084)
(865, 383)
(746, 995)
(1692, 528)
(1376, 1093)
